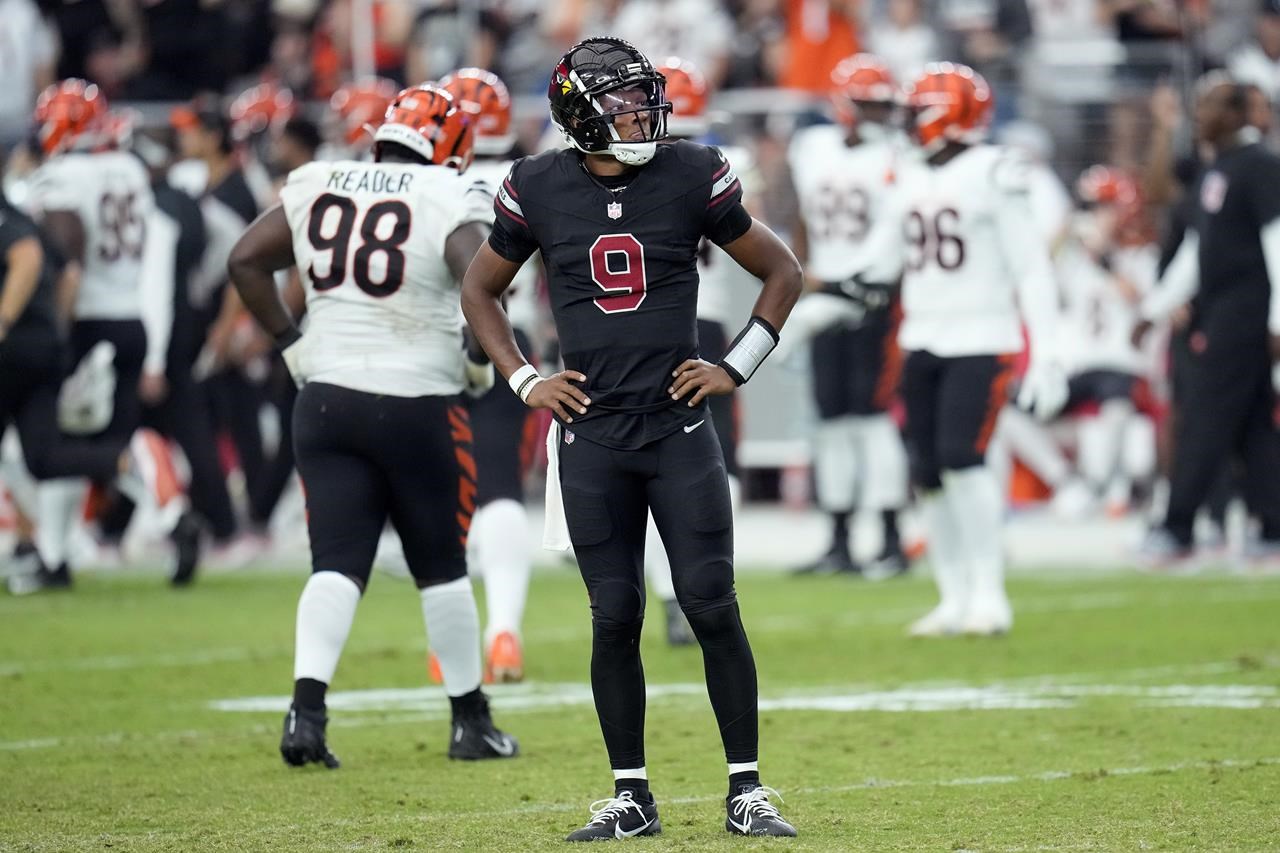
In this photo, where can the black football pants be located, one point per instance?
(1226, 411)
(607, 497)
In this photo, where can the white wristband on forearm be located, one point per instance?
(523, 380)
(749, 349)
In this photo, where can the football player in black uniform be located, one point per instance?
(618, 219)
(1228, 268)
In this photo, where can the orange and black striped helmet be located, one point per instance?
(361, 106)
(484, 93)
(258, 108)
(687, 92)
(67, 112)
(948, 103)
(429, 122)
(860, 79)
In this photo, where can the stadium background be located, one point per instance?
(1077, 81)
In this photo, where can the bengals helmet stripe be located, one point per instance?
(484, 93)
(67, 112)
(361, 106)
(950, 103)
(429, 122)
(861, 78)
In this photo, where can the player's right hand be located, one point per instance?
(558, 393)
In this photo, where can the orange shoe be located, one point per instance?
(433, 669)
(506, 660)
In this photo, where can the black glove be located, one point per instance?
(869, 296)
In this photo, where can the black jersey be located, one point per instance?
(37, 318)
(1237, 196)
(622, 273)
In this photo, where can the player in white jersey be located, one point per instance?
(1106, 269)
(973, 269)
(94, 203)
(498, 547)
(843, 174)
(380, 432)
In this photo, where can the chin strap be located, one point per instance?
(633, 153)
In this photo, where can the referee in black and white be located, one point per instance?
(1228, 270)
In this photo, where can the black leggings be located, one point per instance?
(366, 458)
(607, 496)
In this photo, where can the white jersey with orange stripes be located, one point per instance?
(965, 240)
(522, 295)
(110, 193)
(841, 189)
(383, 311)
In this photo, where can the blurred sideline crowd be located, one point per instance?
(1096, 93)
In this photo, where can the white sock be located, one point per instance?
(326, 609)
(946, 552)
(657, 567)
(636, 773)
(453, 633)
(1101, 438)
(977, 507)
(744, 767)
(16, 477)
(1030, 442)
(59, 501)
(500, 536)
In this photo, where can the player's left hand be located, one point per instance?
(701, 377)
(1044, 389)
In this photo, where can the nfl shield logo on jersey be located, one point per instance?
(569, 437)
(614, 210)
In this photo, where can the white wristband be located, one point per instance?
(523, 380)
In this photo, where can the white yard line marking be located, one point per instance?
(962, 782)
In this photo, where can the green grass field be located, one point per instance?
(1125, 712)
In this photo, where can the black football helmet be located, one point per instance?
(603, 88)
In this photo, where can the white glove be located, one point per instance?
(479, 377)
(1044, 389)
(812, 315)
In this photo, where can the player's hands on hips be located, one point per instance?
(1044, 389)
(558, 393)
(702, 378)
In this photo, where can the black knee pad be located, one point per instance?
(718, 625)
(617, 609)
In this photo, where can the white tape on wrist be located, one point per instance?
(523, 380)
(749, 350)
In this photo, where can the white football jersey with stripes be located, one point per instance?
(967, 229)
(522, 295)
(717, 272)
(383, 311)
(841, 189)
(110, 193)
(1101, 307)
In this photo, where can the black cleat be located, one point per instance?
(186, 548)
(831, 563)
(39, 580)
(474, 736)
(891, 564)
(751, 813)
(303, 740)
(617, 818)
(679, 632)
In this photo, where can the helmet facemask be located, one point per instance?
(603, 106)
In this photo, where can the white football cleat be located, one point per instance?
(942, 621)
(990, 616)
